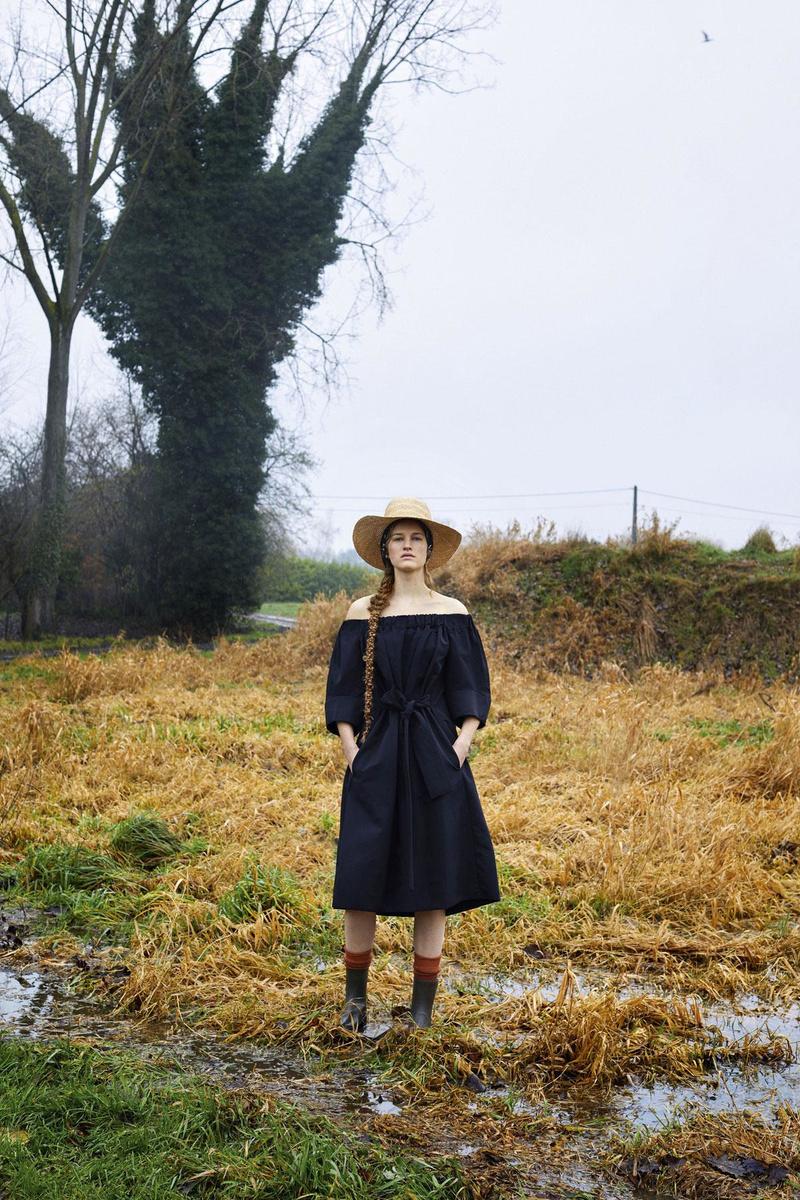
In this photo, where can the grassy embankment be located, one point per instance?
(280, 608)
(568, 606)
(644, 817)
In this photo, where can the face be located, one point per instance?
(407, 547)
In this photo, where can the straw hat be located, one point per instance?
(367, 532)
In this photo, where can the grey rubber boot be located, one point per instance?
(354, 1013)
(422, 995)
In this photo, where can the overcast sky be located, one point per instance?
(605, 290)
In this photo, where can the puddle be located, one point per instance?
(41, 1005)
(733, 1087)
(380, 1103)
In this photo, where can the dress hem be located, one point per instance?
(449, 910)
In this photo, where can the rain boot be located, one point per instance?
(426, 979)
(354, 1012)
(422, 994)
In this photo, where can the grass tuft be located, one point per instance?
(262, 889)
(145, 839)
(69, 868)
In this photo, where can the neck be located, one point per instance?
(410, 589)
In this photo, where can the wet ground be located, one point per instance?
(38, 1001)
(731, 1088)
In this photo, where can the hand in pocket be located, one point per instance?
(457, 750)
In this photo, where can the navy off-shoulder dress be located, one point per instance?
(412, 834)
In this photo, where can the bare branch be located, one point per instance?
(29, 266)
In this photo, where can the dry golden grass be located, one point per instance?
(700, 1156)
(643, 824)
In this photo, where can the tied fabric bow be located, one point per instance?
(438, 770)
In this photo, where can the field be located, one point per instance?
(626, 1014)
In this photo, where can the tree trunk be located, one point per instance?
(39, 594)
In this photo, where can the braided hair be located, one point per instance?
(376, 606)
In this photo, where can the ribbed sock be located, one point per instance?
(426, 968)
(357, 958)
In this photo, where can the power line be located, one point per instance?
(718, 516)
(718, 504)
(550, 508)
(500, 496)
(585, 492)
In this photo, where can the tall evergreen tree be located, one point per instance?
(218, 263)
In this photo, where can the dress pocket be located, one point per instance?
(351, 765)
(456, 759)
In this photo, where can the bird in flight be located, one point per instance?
(706, 38)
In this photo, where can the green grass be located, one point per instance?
(69, 868)
(309, 929)
(145, 839)
(255, 631)
(87, 891)
(82, 646)
(80, 1124)
(725, 733)
(54, 643)
(14, 672)
(280, 608)
(259, 889)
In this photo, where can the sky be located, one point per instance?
(604, 289)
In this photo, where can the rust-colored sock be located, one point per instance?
(357, 958)
(426, 968)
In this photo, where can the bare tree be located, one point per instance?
(51, 185)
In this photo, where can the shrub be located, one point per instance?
(760, 541)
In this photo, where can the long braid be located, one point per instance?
(376, 606)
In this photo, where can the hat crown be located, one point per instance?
(407, 506)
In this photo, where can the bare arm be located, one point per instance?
(348, 739)
(464, 739)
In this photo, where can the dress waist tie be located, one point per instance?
(437, 770)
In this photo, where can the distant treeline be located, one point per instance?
(296, 578)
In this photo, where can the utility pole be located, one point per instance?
(633, 526)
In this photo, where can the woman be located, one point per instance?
(408, 666)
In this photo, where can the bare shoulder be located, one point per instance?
(452, 605)
(359, 609)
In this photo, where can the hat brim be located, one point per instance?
(367, 539)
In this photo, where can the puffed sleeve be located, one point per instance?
(344, 693)
(466, 672)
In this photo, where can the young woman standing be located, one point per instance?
(407, 667)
